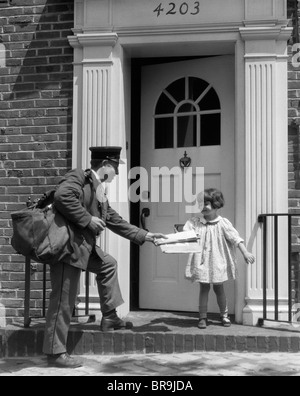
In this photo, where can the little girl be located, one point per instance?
(216, 261)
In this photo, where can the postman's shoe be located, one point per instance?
(63, 360)
(114, 323)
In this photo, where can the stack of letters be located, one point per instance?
(180, 242)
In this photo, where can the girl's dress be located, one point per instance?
(216, 261)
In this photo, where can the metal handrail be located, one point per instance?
(262, 218)
(27, 317)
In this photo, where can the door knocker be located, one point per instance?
(185, 161)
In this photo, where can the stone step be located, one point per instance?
(153, 332)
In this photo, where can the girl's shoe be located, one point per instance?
(225, 321)
(202, 323)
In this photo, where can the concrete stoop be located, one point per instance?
(153, 332)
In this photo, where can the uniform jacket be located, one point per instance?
(75, 198)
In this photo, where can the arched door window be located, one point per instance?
(188, 114)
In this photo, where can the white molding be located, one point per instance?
(265, 33)
(73, 41)
(265, 56)
(93, 62)
(175, 29)
(252, 32)
(93, 39)
(265, 22)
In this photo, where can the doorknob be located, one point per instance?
(145, 213)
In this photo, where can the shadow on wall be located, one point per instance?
(294, 137)
(35, 124)
(41, 96)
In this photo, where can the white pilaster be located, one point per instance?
(266, 156)
(92, 93)
(99, 120)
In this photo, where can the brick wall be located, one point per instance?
(35, 124)
(294, 116)
(294, 145)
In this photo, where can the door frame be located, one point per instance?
(135, 148)
(105, 49)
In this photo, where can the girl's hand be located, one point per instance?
(249, 258)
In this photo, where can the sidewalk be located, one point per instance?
(162, 365)
(161, 344)
(153, 332)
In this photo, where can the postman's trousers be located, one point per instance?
(64, 282)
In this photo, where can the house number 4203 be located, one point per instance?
(173, 9)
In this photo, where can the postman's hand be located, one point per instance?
(152, 237)
(96, 225)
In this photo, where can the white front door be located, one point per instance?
(187, 109)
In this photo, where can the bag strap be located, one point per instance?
(48, 197)
(40, 203)
(88, 175)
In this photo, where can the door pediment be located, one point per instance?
(121, 15)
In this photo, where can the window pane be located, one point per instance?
(177, 89)
(196, 87)
(187, 108)
(187, 131)
(164, 105)
(210, 101)
(164, 136)
(211, 130)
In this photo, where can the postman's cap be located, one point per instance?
(111, 153)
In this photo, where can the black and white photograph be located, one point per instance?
(149, 191)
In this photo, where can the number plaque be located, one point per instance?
(183, 8)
